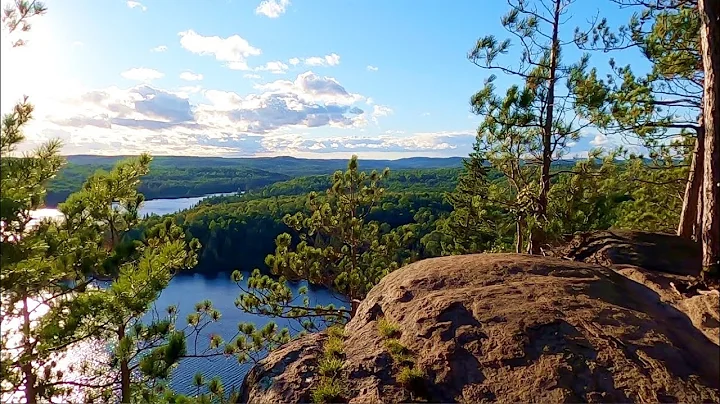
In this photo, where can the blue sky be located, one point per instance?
(308, 78)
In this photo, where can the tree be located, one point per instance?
(663, 104)
(531, 126)
(475, 223)
(339, 248)
(710, 39)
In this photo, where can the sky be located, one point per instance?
(243, 78)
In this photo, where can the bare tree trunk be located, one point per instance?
(538, 234)
(688, 227)
(710, 44)
(27, 370)
(519, 228)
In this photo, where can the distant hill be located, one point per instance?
(189, 176)
(283, 164)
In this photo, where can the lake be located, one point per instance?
(187, 289)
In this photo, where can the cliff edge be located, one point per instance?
(513, 328)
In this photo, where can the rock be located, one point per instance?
(655, 252)
(509, 328)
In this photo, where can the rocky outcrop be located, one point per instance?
(511, 328)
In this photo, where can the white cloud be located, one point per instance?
(234, 50)
(272, 8)
(332, 59)
(222, 123)
(161, 48)
(380, 110)
(294, 61)
(190, 76)
(599, 140)
(369, 101)
(136, 4)
(251, 76)
(274, 67)
(142, 74)
(571, 144)
(77, 43)
(313, 88)
(372, 68)
(425, 114)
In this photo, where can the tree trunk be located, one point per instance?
(691, 210)
(519, 228)
(538, 234)
(124, 372)
(27, 370)
(710, 44)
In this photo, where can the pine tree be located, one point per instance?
(337, 248)
(530, 127)
(663, 104)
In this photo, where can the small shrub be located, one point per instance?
(328, 391)
(334, 347)
(388, 329)
(410, 377)
(330, 366)
(395, 348)
(336, 332)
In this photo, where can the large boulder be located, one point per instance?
(511, 328)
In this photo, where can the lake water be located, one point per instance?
(187, 289)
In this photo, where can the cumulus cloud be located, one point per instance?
(272, 8)
(274, 67)
(380, 110)
(234, 50)
(142, 74)
(251, 76)
(425, 143)
(223, 122)
(599, 140)
(160, 48)
(190, 76)
(313, 88)
(136, 4)
(332, 59)
(372, 68)
(294, 61)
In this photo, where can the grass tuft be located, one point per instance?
(410, 377)
(330, 366)
(336, 332)
(328, 391)
(333, 348)
(388, 329)
(395, 348)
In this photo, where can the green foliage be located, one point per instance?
(337, 248)
(329, 391)
(333, 347)
(532, 124)
(410, 377)
(329, 388)
(387, 329)
(330, 366)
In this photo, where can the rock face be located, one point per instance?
(510, 328)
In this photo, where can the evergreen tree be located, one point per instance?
(531, 126)
(339, 248)
(663, 107)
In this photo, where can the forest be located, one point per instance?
(185, 176)
(345, 225)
